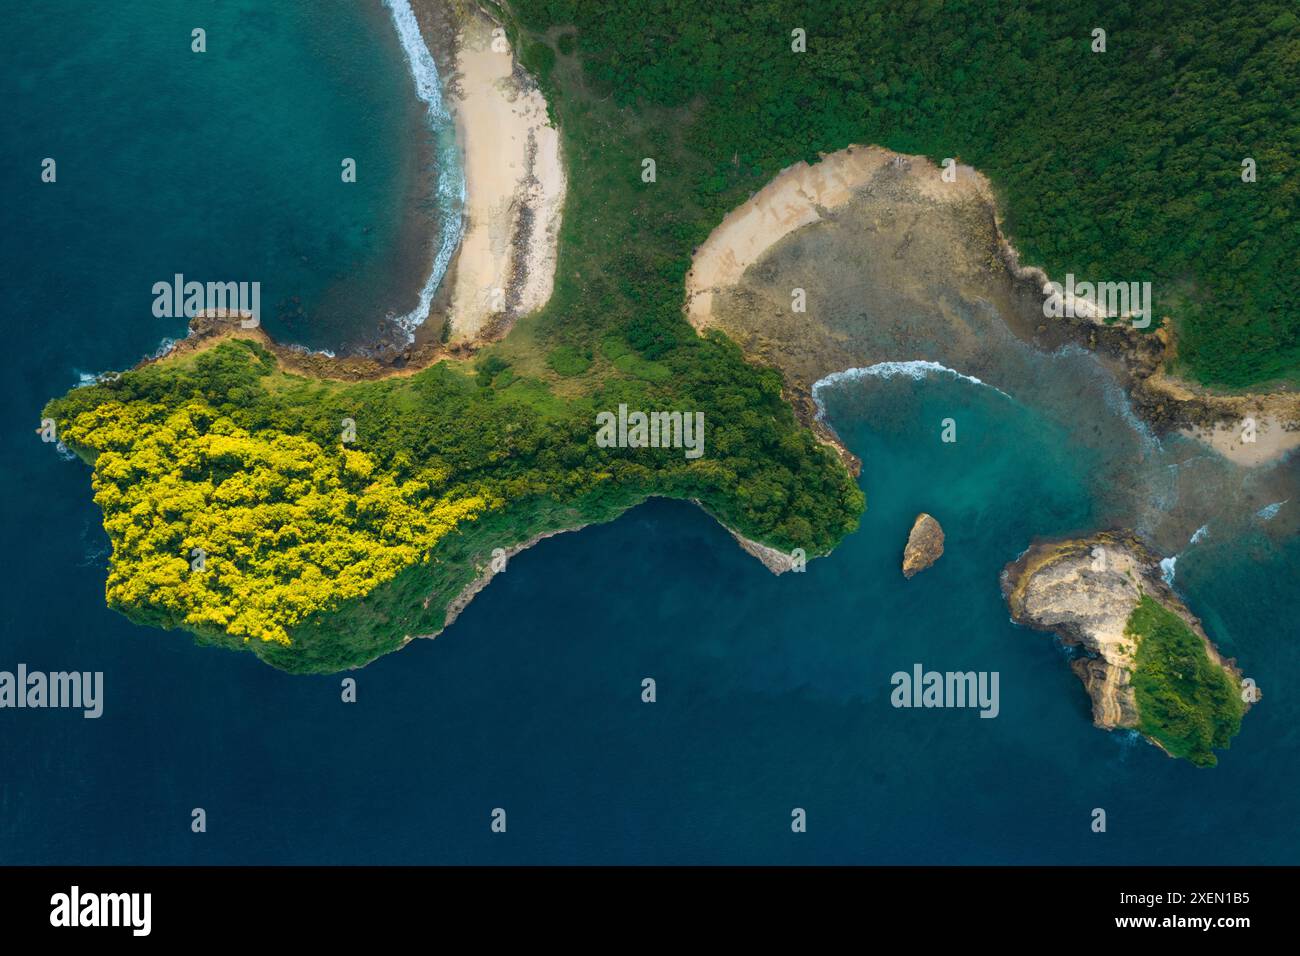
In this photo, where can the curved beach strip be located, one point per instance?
(516, 186)
(798, 196)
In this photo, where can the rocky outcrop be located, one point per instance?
(924, 545)
(775, 560)
(1085, 590)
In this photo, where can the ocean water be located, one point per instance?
(225, 165)
(772, 693)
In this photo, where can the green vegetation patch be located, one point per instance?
(319, 523)
(568, 361)
(1186, 703)
(627, 361)
(1123, 165)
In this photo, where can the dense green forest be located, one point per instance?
(1185, 702)
(1122, 165)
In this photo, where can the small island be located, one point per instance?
(1145, 660)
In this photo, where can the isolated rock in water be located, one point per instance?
(1145, 660)
(924, 545)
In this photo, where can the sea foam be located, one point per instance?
(917, 369)
(1168, 567)
(1118, 400)
(451, 178)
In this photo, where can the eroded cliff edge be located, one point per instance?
(1144, 658)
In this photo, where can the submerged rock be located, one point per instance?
(1106, 596)
(924, 545)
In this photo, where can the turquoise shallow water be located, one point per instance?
(773, 693)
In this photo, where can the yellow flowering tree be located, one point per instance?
(214, 526)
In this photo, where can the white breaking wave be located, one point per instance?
(1071, 350)
(917, 369)
(306, 351)
(165, 346)
(1115, 396)
(1169, 566)
(451, 178)
(86, 379)
(1269, 512)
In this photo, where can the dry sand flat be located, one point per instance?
(1272, 441)
(799, 196)
(515, 187)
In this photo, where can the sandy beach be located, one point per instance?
(1224, 424)
(515, 186)
(1271, 442)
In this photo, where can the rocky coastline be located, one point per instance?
(909, 218)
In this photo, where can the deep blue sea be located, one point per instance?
(772, 693)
